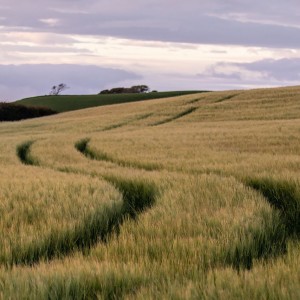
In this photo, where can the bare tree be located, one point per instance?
(57, 89)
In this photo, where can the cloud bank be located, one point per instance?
(268, 24)
(262, 72)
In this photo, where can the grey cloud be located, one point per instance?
(272, 11)
(30, 80)
(287, 69)
(269, 72)
(175, 21)
(214, 74)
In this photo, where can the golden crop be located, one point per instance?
(195, 196)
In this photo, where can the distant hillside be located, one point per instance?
(16, 112)
(63, 103)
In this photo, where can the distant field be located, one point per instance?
(193, 197)
(63, 103)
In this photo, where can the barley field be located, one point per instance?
(191, 197)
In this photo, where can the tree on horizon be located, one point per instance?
(57, 89)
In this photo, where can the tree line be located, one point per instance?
(136, 89)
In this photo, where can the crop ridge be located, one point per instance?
(138, 195)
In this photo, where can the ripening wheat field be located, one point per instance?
(191, 197)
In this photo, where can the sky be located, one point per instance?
(93, 45)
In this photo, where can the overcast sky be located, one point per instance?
(167, 44)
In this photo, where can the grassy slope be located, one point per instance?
(222, 173)
(73, 102)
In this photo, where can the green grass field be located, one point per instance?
(63, 103)
(192, 197)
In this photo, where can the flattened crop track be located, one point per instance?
(175, 117)
(139, 195)
(269, 242)
(83, 147)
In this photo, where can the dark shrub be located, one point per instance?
(15, 112)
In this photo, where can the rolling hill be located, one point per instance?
(192, 197)
(64, 103)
